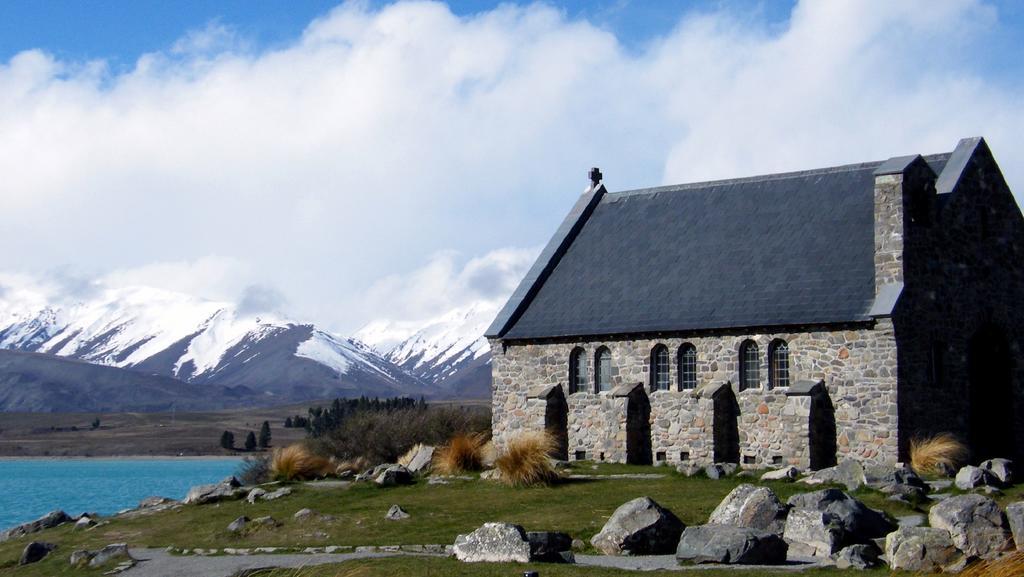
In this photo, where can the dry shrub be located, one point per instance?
(296, 462)
(462, 454)
(928, 453)
(526, 460)
(1010, 565)
(355, 466)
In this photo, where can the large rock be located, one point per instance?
(1015, 519)
(901, 481)
(80, 558)
(864, 556)
(920, 549)
(396, 513)
(277, 494)
(639, 527)
(394, 475)
(421, 460)
(720, 470)
(789, 473)
(493, 543)
(238, 525)
(550, 547)
(733, 545)
(849, 473)
(47, 521)
(1000, 469)
(225, 490)
(114, 552)
(971, 477)
(255, 494)
(814, 533)
(975, 523)
(35, 551)
(860, 523)
(751, 506)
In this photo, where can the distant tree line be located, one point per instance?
(319, 421)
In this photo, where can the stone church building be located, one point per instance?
(797, 318)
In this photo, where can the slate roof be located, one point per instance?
(781, 249)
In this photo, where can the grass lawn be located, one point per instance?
(439, 513)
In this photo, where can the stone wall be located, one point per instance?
(857, 365)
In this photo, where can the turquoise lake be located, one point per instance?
(31, 488)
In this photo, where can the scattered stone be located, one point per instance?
(901, 482)
(789, 473)
(550, 547)
(945, 470)
(720, 470)
(394, 475)
(732, 545)
(47, 521)
(114, 552)
(939, 485)
(437, 481)
(255, 494)
(225, 490)
(975, 523)
(920, 549)
(639, 527)
(814, 533)
(863, 556)
(491, 475)
(304, 514)
(860, 522)
(421, 460)
(1000, 469)
(35, 551)
(688, 469)
(150, 502)
(971, 477)
(84, 522)
(282, 492)
(80, 558)
(238, 525)
(396, 513)
(266, 522)
(1015, 519)
(849, 473)
(910, 521)
(493, 543)
(750, 506)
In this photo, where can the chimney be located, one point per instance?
(904, 208)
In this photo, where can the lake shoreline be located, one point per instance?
(128, 457)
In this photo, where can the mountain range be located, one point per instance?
(146, 349)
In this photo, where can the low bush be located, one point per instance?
(296, 463)
(526, 460)
(463, 453)
(1010, 565)
(928, 454)
(254, 470)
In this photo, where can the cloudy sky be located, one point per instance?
(371, 160)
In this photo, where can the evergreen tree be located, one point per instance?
(250, 441)
(96, 423)
(288, 423)
(264, 440)
(227, 440)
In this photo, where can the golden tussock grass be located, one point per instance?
(927, 454)
(355, 466)
(463, 453)
(296, 462)
(1011, 565)
(526, 460)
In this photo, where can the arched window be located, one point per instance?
(750, 365)
(687, 367)
(603, 370)
(577, 370)
(778, 364)
(659, 368)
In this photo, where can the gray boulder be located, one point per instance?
(47, 521)
(493, 543)
(304, 514)
(421, 460)
(971, 477)
(84, 522)
(238, 525)
(266, 522)
(732, 545)
(255, 494)
(1015, 519)
(688, 469)
(863, 556)
(277, 494)
(80, 558)
(899, 481)
(975, 523)
(1000, 469)
(814, 533)
(394, 475)
(720, 470)
(35, 551)
(396, 513)
(920, 549)
(155, 501)
(860, 523)
(789, 473)
(550, 547)
(114, 552)
(227, 489)
(750, 506)
(639, 527)
(849, 473)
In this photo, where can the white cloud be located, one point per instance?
(333, 168)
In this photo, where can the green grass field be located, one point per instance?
(439, 513)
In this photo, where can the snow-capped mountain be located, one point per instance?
(197, 341)
(449, 351)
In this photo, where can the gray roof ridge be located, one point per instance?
(762, 177)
